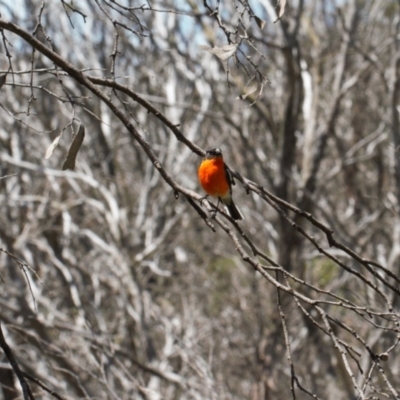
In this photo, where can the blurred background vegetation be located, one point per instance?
(114, 287)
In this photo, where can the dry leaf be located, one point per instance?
(76, 144)
(249, 90)
(260, 22)
(2, 80)
(223, 52)
(282, 5)
(51, 148)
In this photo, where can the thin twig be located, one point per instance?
(26, 390)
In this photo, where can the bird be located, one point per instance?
(217, 181)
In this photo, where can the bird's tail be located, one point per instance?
(233, 211)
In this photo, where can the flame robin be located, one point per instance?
(217, 180)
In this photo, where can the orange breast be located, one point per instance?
(212, 177)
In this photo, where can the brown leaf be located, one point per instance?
(51, 148)
(223, 52)
(282, 5)
(2, 80)
(260, 22)
(76, 144)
